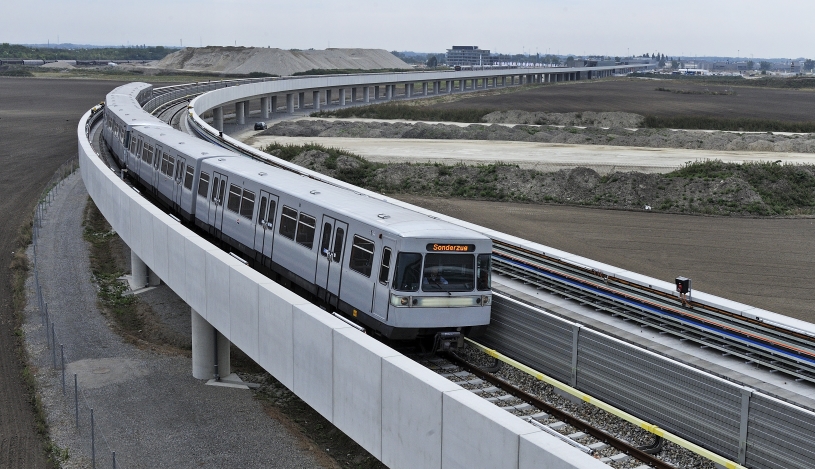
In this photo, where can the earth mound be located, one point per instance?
(245, 60)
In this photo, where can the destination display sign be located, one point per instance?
(435, 247)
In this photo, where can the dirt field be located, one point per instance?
(639, 96)
(38, 120)
(765, 263)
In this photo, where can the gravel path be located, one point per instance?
(147, 406)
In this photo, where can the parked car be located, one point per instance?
(260, 126)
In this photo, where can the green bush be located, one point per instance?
(738, 124)
(408, 112)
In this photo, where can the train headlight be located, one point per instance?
(445, 301)
(400, 300)
(486, 300)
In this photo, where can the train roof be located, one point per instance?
(130, 112)
(375, 212)
(184, 144)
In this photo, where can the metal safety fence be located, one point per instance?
(54, 355)
(734, 421)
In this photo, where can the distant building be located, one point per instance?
(729, 66)
(468, 55)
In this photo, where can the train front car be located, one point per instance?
(438, 283)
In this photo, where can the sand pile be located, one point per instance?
(245, 60)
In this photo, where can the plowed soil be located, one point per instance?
(640, 96)
(38, 121)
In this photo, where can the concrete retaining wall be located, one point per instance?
(404, 414)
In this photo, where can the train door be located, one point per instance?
(332, 248)
(178, 177)
(156, 177)
(264, 226)
(382, 289)
(125, 161)
(216, 202)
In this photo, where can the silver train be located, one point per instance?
(398, 272)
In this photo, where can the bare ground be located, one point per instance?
(639, 96)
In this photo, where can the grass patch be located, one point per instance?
(100, 236)
(19, 268)
(408, 112)
(738, 124)
(763, 82)
(705, 91)
(15, 71)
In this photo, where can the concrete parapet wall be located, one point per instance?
(404, 414)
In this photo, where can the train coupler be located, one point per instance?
(448, 341)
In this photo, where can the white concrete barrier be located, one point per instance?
(402, 413)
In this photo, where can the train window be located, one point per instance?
(188, 178)
(203, 184)
(362, 256)
(144, 153)
(288, 222)
(448, 272)
(247, 204)
(326, 243)
(270, 217)
(215, 181)
(170, 165)
(482, 273)
(165, 165)
(221, 192)
(339, 237)
(139, 149)
(385, 266)
(234, 201)
(408, 271)
(179, 170)
(262, 212)
(305, 230)
(132, 145)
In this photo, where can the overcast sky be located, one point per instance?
(777, 28)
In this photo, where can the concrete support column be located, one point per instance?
(366, 94)
(503, 81)
(138, 272)
(408, 87)
(205, 341)
(495, 82)
(389, 92)
(376, 93)
(449, 86)
(290, 103)
(264, 107)
(315, 98)
(353, 95)
(301, 100)
(461, 85)
(153, 279)
(246, 110)
(436, 87)
(342, 96)
(327, 98)
(239, 116)
(424, 89)
(218, 118)
(273, 108)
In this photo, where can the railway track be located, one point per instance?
(772, 347)
(595, 433)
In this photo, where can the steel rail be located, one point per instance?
(599, 434)
(791, 354)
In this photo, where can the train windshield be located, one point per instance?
(408, 271)
(448, 272)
